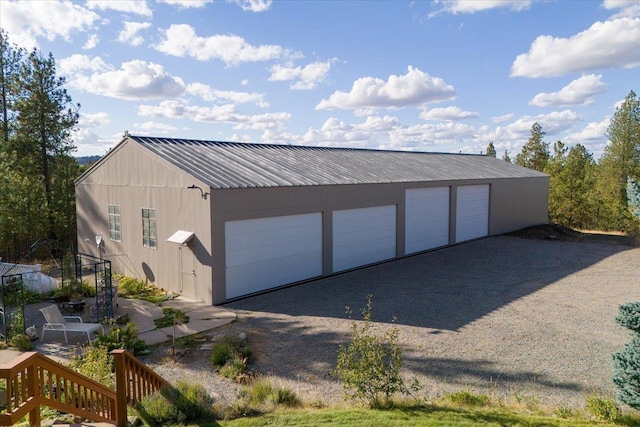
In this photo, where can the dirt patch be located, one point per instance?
(560, 232)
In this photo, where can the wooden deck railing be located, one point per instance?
(134, 381)
(33, 380)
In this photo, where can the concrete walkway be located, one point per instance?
(202, 317)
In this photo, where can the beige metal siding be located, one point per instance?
(518, 203)
(134, 179)
(513, 203)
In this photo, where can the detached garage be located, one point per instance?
(261, 216)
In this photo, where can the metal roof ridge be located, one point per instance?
(151, 139)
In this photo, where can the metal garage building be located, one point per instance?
(219, 220)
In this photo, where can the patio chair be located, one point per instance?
(55, 321)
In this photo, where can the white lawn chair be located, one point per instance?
(57, 322)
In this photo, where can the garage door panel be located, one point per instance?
(275, 272)
(363, 236)
(281, 236)
(268, 252)
(426, 218)
(472, 212)
(375, 235)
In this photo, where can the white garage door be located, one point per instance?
(426, 219)
(472, 212)
(268, 252)
(363, 236)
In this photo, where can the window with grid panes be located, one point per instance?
(149, 236)
(115, 224)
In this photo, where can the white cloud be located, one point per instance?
(581, 91)
(138, 7)
(133, 81)
(472, 6)
(175, 109)
(129, 33)
(414, 88)
(610, 44)
(155, 127)
(86, 121)
(210, 94)
(181, 40)
(383, 132)
(92, 41)
(552, 123)
(27, 21)
(593, 136)
(187, 4)
(89, 143)
(253, 5)
(430, 135)
(447, 114)
(77, 63)
(502, 118)
(628, 8)
(307, 77)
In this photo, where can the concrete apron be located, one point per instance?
(202, 317)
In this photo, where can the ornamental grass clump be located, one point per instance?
(183, 404)
(369, 366)
(231, 355)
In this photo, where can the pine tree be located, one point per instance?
(557, 194)
(626, 362)
(491, 150)
(535, 153)
(619, 163)
(10, 60)
(506, 157)
(45, 119)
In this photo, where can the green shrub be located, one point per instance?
(130, 285)
(564, 412)
(369, 366)
(626, 369)
(465, 398)
(235, 368)
(171, 315)
(95, 363)
(87, 289)
(125, 338)
(603, 408)
(181, 404)
(263, 391)
(138, 289)
(227, 347)
(21, 342)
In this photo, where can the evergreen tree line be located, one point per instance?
(36, 167)
(589, 194)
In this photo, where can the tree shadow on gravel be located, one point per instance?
(444, 289)
(461, 373)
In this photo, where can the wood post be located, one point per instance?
(33, 393)
(121, 388)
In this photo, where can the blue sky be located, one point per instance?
(445, 76)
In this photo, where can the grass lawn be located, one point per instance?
(422, 416)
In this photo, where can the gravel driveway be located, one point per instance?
(518, 319)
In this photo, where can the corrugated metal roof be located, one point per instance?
(242, 165)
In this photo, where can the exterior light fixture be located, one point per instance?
(202, 193)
